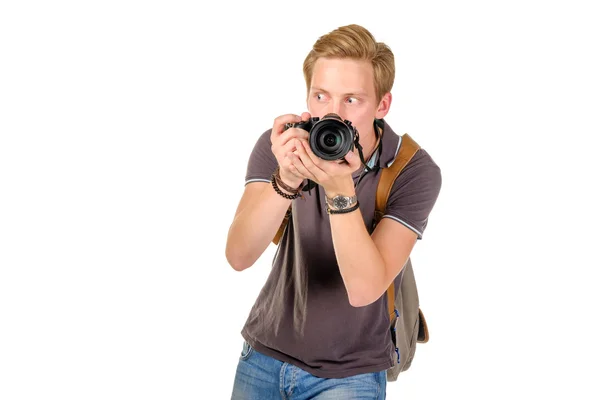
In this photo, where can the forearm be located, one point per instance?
(253, 229)
(360, 263)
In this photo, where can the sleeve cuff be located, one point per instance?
(257, 180)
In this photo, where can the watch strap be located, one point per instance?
(344, 210)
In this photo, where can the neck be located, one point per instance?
(371, 145)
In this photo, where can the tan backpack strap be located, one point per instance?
(391, 298)
(279, 233)
(408, 149)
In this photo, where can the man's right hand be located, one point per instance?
(281, 145)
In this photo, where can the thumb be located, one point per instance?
(352, 159)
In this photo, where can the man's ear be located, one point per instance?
(384, 106)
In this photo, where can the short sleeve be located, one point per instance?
(414, 193)
(261, 163)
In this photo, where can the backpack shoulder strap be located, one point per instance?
(279, 233)
(408, 148)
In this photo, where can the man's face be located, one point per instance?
(345, 87)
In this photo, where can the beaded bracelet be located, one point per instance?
(287, 196)
(343, 211)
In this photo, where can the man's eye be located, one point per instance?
(352, 99)
(320, 96)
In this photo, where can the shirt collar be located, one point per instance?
(390, 145)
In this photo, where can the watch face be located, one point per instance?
(340, 202)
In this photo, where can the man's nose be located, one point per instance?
(335, 107)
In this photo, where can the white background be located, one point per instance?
(125, 130)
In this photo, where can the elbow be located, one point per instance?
(363, 294)
(236, 261)
(237, 265)
(363, 291)
(361, 302)
(234, 255)
(359, 298)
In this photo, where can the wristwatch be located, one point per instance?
(341, 202)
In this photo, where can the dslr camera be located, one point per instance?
(330, 137)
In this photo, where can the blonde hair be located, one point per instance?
(357, 43)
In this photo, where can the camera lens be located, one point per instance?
(331, 139)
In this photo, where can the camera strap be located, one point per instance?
(379, 147)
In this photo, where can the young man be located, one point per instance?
(320, 328)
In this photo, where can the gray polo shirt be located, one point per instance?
(302, 315)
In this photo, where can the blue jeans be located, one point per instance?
(260, 377)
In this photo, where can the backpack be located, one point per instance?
(407, 322)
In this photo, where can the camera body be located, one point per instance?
(330, 137)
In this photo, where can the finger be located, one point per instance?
(301, 168)
(304, 146)
(298, 132)
(305, 116)
(291, 167)
(291, 134)
(312, 163)
(353, 160)
(290, 146)
(295, 172)
(280, 151)
(279, 124)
